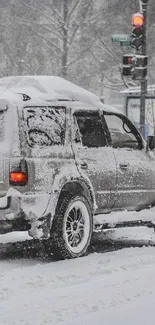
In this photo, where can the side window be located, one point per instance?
(88, 130)
(123, 134)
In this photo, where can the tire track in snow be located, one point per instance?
(48, 293)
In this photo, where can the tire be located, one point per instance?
(72, 227)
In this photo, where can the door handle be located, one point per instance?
(84, 165)
(123, 166)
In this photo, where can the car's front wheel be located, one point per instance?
(72, 227)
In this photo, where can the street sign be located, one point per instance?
(125, 43)
(122, 38)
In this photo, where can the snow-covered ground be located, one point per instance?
(114, 288)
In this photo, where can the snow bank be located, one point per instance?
(13, 237)
(126, 216)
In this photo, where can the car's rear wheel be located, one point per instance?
(72, 227)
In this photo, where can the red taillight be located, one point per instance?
(18, 177)
(18, 172)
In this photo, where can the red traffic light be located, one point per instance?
(138, 20)
(127, 64)
(129, 59)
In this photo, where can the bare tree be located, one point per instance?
(69, 38)
(61, 25)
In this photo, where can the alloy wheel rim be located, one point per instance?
(77, 227)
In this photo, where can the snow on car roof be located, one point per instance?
(110, 109)
(5, 98)
(48, 89)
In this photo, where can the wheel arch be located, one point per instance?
(79, 187)
(76, 185)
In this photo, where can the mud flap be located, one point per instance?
(40, 228)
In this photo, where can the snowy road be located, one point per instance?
(114, 288)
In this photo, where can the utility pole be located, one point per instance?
(144, 80)
(135, 65)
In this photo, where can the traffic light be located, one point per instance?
(139, 70)
(135, 65)
(137, 31)
(127, 64)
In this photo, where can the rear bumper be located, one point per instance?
(25, 212)
(10, 205)
(19, 224)
(11, 216)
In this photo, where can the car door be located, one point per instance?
(135, 166)
(95, 160)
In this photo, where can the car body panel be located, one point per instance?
(136, 178)
(101, 172)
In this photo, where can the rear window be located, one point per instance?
(45, 126)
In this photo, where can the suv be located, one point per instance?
(66, 160)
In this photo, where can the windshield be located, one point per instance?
(45, 126)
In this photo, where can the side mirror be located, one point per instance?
(150, 142)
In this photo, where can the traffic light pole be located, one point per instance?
(144, 81)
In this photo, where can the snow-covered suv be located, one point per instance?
(65, 161)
